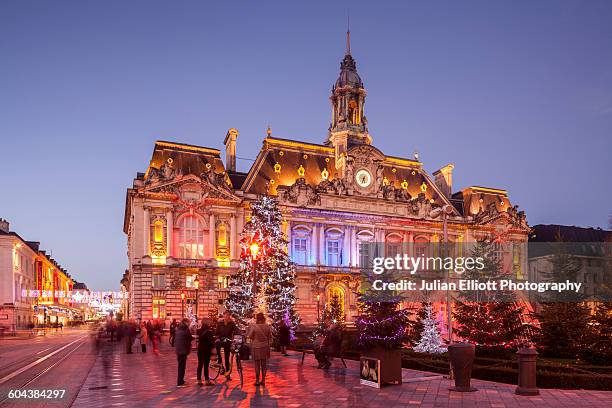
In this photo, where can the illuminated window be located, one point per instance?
(299, 250)
(191, 238)
(159, 308)
(158, 231)
(223, 281)
(333, 252)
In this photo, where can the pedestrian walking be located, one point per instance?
(143, 337)
(129, 333)
(172, 331)
(206, 342)
(156, 328)
(226, 329)
(260, 335)
(284, 337)
(182, 347)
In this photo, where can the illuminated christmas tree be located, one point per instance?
(265, 281)
(275, 267)
(335, 311)
(430, 341)
(381, 323)
(490, 318)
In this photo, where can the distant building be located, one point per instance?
(35, 288)
(591, 247)
(185, 213)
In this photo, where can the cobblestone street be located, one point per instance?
(139, 380)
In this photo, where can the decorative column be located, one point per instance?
(354, 247)
(169, 232)
(322, 244)
(233, 237)
(211, 236)
(146, 231)
(346, 246)
(288, 232)
(314, 245)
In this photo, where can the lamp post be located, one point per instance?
(444, 212)
(318, 303)
(254, 252)
(196, 285)
(182, 305)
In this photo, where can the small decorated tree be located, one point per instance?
(336, 311)
(430, 341)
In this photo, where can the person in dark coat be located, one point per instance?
(182, 346)
(284, 337)
(206, 342)
(330, 345)
(226, 329)
(172, 331)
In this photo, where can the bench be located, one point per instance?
(310, 350)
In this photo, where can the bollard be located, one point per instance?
(462, 359)
(527, 372)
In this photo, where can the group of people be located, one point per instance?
(220, 335)
(259, 334)
(135, 334)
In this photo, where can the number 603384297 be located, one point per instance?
(36, 394)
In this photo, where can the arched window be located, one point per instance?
(366, 248)
(158, 231)
(336, 293)
(333, 246)
(190, 236)
(393, 245)
(300, 245)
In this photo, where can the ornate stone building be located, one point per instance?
(184, 215)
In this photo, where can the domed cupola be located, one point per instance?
(349, 126)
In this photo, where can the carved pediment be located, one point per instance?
(300, 193)
(191, 188)
(492, 215)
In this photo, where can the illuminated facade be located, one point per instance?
(35, 289)
(184, 215)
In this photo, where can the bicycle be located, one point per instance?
(216, 369)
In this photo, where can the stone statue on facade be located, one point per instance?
(167, 171)
(300, 193)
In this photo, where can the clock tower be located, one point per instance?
(349, 126)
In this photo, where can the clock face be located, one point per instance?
(363, 178)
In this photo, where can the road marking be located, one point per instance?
(42, 351)
(40, 360)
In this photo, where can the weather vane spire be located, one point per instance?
(348, 33)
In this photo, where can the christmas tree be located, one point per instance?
(416, 326)
(490, 318)
(565, 322)
(381, 323)
(335, 311)
(430, 341)
(275, 267)
(600, 350)
(265, 281)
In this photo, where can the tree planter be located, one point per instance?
(390, 364)
(462, 359)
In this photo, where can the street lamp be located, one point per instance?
(444, 212)
(182, 305)
(318, 314)
(196, 285)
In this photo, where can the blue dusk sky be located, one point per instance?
(517, 94)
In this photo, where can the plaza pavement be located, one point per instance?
(148, 380)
